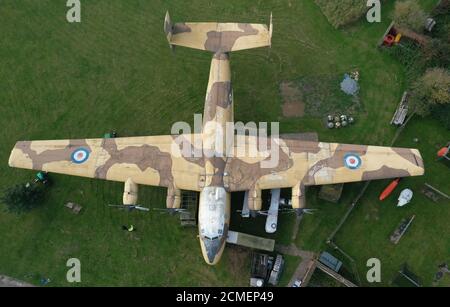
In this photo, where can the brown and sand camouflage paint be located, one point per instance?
(159, 160)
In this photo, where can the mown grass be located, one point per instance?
(115, 70)
(322, 95)
(340, 13)
(290, 266)
(426, 244)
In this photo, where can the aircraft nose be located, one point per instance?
(213, 249)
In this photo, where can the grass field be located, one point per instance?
(340, 13)
(115, 70)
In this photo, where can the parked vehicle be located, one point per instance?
(297, 283)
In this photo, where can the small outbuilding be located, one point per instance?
(330, 261)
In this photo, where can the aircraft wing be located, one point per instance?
(316, 163)
(146, 160)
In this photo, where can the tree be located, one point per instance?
(408, 14)
(21, 198)
(432, 89)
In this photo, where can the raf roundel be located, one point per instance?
(352, 161)
(80, 155)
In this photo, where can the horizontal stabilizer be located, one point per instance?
(218, 37)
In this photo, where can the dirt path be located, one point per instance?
(298, 219)
(293, 250)
(306, 266)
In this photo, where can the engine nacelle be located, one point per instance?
(173, 200)
(130, 193)
(298, 196)
(254, 200)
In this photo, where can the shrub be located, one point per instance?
(432, 89)
(408, 14)
(437, 53)
(21, 198)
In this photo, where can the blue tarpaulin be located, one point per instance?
(349, 85)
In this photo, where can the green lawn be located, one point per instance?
(426, 244)
(115, 70)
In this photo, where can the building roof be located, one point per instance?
(330, 261)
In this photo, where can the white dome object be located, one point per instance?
(405, 197)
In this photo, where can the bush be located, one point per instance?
(437, 53)
(432, 89)
(21, 198)
(408, 14)
(442, 17)
(342, 12)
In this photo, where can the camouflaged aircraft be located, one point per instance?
(151, 160)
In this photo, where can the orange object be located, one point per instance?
(391, 187)
(442, 152)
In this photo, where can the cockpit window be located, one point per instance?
(212, 215)
(212, 239)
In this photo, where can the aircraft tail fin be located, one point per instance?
(218, 37)
(168, 28)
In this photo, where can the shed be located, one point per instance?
(330, 261)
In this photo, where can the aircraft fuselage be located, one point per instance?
(214, 204)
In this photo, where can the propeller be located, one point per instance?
(285, 210)
(171, 211)
(130, 207)
(307, 211)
